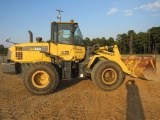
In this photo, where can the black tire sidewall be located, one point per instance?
(50, 70)
(97, 75)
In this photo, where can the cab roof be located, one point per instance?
(71, 22)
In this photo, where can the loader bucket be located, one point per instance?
(141, 66)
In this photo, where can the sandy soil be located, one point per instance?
(79, 99)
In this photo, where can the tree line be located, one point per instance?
(3, 50)
(128, 43)
(131, 42)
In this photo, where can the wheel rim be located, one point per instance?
(40, 79)
(109, 76)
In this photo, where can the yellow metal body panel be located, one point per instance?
(79, 52)
(70, 52)
(31, 52)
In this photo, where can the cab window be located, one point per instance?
(64, 33)
(78, 38)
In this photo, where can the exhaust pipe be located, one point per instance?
(31, 36)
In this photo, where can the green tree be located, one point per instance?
(154, 33)
(96, 41)
(123, 43)
(103, 41)
(1, 49)
(110, 41)
(141, 43)
(132, 41)
(87, 41)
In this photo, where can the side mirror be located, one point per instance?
(8, 40)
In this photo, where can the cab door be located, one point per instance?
(66, 51)
(69, 41)
(65, 47)
(79, 45)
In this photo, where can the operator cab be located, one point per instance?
(66, 33)
(67, 41)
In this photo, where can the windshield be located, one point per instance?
(63, 33)
(78, 38)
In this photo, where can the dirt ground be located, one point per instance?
(79, 99)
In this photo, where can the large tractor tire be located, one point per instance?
(41, 78)
(107, 75)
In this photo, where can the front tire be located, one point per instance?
(107, 75)
(41, 78)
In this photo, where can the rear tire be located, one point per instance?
(41, 78)
(107, 75)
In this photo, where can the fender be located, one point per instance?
(114, 58)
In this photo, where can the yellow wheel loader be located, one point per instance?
(44, 64)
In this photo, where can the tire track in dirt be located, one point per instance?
(153, 88)
(17, 107)
(153, 104)
(4, 111)
(142, 104)
(12, 93)
(116, 105)
(4, 108)
(79, 100)
(57, 101)
(4, 93)
(96, 104)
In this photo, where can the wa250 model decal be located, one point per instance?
(35, 48)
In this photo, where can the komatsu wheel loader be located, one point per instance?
(44, 64)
